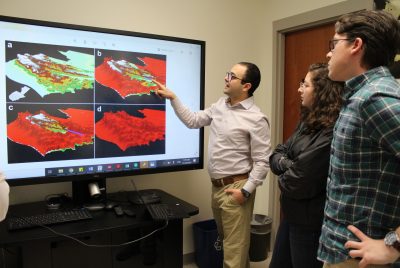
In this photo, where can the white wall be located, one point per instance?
(234, 30)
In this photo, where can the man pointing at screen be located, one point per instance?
(238, 152)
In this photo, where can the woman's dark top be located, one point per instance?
(302, 165)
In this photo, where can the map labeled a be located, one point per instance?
(127, 131)
(47, 75)
(46, 133)
(128, 79)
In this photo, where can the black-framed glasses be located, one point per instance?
(333, 42)
(231, 76)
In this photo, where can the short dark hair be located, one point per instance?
(327, 100)
(252, 76)
(380, 32)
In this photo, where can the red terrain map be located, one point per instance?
(130, 79)
(127, 131)
(46, 133)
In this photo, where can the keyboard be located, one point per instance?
(160, 212)
(17, 223)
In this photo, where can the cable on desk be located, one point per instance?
(107, 245)
(101, 246)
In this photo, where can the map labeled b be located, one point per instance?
(127, 77)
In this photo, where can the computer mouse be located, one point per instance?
(110, 205)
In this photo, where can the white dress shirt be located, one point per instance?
(239, 139)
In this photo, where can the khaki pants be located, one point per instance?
(352, 263)
(233, 223)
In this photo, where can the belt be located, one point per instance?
(229, 179)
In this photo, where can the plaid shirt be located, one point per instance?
(363, 185)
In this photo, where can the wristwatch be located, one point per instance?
(245, 193)
(392, 240)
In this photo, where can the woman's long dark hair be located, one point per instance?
(327, 100)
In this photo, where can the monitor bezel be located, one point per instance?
(106, 175)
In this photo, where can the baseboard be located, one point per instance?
(188, 258)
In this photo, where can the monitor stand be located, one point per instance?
(144, 197)
(94, 205)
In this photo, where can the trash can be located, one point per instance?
(206, 253)
(260, 237)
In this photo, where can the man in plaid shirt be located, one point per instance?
(363, 187)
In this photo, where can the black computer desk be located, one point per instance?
(40, 248)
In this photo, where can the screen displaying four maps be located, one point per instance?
(76, 103)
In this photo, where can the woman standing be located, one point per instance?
(302, 166)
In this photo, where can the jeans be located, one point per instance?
(295, 247)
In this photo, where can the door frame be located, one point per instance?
(279, 29)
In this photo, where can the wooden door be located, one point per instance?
(302, 48)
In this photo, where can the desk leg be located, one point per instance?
(10, 257)
(172, 246)
(36, 254)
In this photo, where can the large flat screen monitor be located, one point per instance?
(78, 102)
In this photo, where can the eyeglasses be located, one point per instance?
(303, 83)
(333, 42)
(231, 76)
